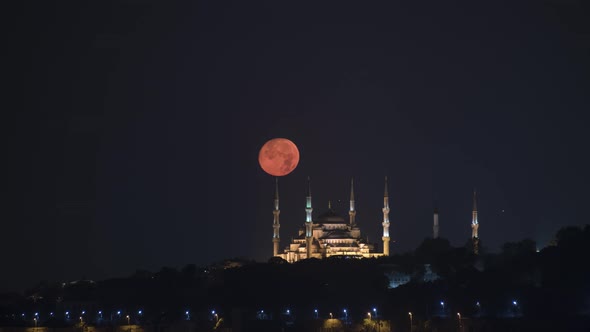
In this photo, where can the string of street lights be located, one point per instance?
(117, 315)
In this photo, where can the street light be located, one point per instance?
(331, 316)
(411, 322)
(516, 309)
(127, 319)
(375, 311)
(369, 315)
(316, 313)
(459, 317)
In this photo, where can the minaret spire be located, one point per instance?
(276, 225)
(475, 224)
(308, 221)
(435, 224)
(385, 220)
(352, 212)
(277, 189)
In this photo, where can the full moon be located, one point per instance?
(278, 157)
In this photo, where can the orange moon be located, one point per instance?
(278, 157)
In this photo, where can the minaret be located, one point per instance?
(308, 221)
(385, 221)
(474, 225)
(435, 224)
(275, 236)
(352, 212)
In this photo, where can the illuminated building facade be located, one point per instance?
(331, 234)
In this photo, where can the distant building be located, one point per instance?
(329, 234)
(429, 275)
(398, 276)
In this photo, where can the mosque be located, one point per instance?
(332, 235)
(329, 234)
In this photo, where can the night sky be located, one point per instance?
(135, 142)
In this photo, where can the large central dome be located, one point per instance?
(330, 217)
